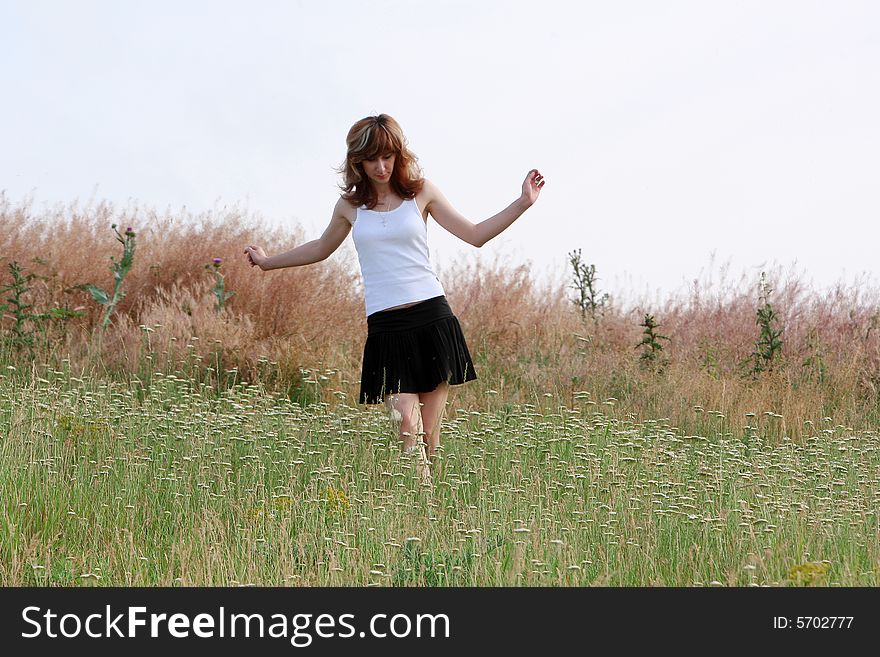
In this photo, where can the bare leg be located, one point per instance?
(433, 408)
(407, 419)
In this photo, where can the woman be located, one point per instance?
(415, 348)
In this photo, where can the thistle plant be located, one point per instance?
(650, 344)
(588, 298)
(26, 323)
(768, 347)
(18, 307)
(219, 288)
(120, 270)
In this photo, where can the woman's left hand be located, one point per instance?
(532, 185)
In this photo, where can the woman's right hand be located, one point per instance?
(256, 256)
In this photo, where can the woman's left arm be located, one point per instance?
(478, 234)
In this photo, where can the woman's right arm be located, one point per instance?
(310, 252)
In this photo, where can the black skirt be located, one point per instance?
(413, 349)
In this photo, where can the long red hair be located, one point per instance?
(368, 139)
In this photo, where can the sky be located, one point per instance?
(672, 135)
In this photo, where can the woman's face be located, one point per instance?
(379, 170)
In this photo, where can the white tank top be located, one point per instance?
(393, 251)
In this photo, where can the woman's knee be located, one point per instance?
(404, 411)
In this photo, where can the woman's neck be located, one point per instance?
(383, 190)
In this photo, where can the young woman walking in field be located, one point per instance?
(415, 348)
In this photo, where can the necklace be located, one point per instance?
(385, 214)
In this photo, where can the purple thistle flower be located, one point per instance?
(217, 261)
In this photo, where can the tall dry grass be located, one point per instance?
(290, 327)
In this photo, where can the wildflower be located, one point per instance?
(337, 501)
(217, 261)
(805, 574)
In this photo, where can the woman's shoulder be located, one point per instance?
(343, 203)
(428, 190)
(345, 208)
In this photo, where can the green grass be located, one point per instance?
(104, 483)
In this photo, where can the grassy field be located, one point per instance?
(162, 481)
(192, 421)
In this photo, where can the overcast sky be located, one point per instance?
(667, 131)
